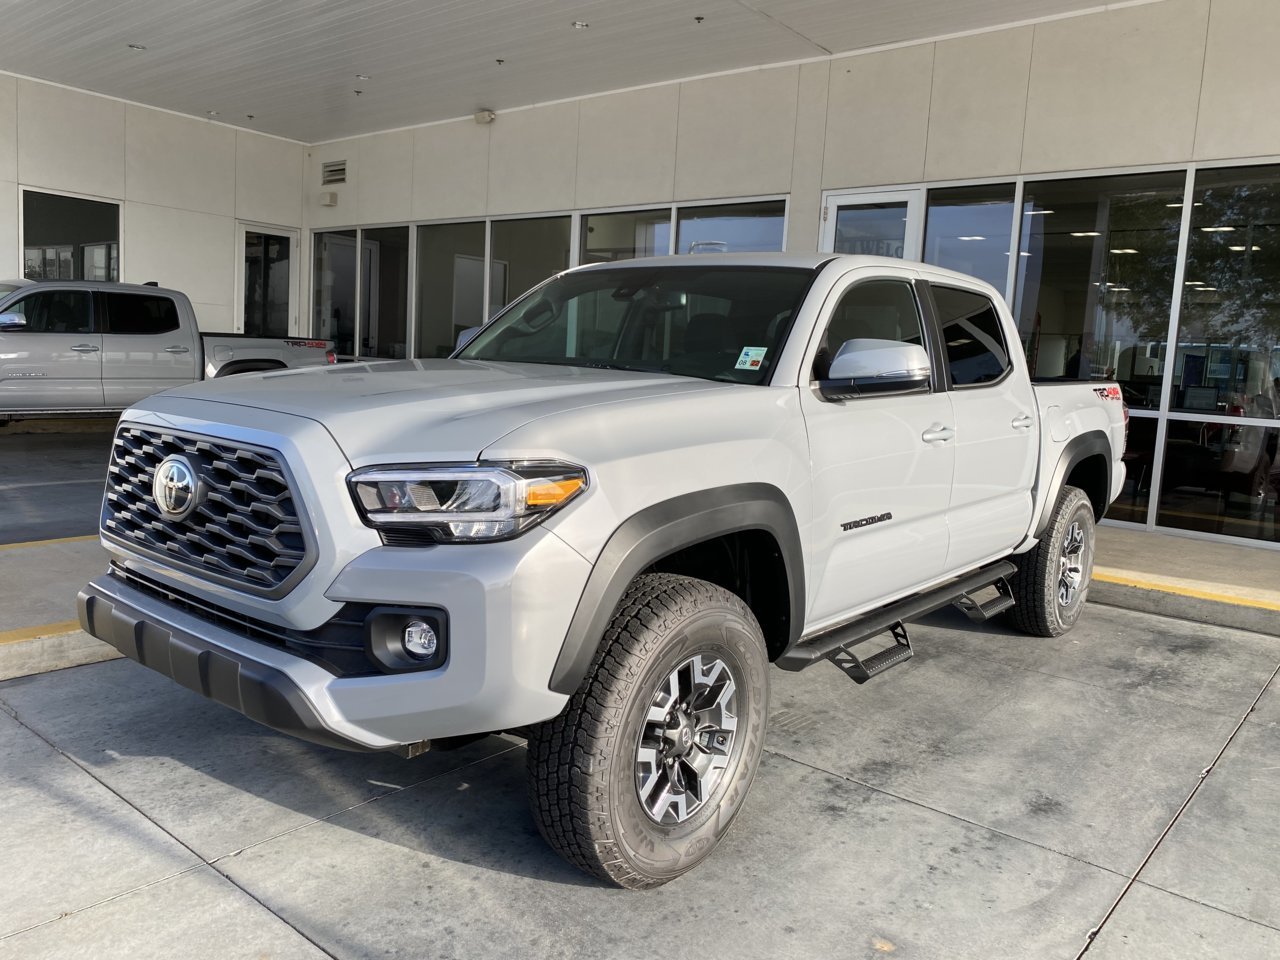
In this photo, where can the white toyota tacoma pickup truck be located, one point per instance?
(600, 522)
(83, 346)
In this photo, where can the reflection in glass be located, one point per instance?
(334, 299)
(67, 238)
(1139, 459)
(450, 284)
(1228, 357)
(872, 229)
(266, 285)
(731, 228)
(622, 236)
(525, 252)
(1095, 279)
(1221, 478)
(384, 308)
(968, 229)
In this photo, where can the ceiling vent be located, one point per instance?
(335, 171)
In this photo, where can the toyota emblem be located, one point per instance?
(174, 488)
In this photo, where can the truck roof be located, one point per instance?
(104, 285)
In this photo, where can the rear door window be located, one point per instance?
(55, 311)
(138, 313)
(971, 335)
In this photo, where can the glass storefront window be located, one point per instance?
(1228, 359)
(874, 228)
(623, 236)
(384, 308)
(525, 252)
(731, 228)
(334, 300)
(450, 284)
(67, 238)
(969, 229)
(1139, 462)
(1095, 279)
(1221, 478)
(266, 284)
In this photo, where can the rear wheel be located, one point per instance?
(1053, 579)
(642, 774)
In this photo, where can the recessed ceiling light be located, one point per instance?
(580, 24)
(1194, 283)
(1087, 233)
(362, 76)
(1024, 254)
(137, 46)
(1173, 204)
(1119, 289)
(971, 238)
(1124, 250)
(1207, 288)
(1035, 213)
(249, 116)
(1218, 229)
(212, 113)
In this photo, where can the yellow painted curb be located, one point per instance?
(1184, 591)
(46, 543)
(33, 633)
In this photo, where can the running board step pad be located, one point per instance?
(860, 671)
(979, 611)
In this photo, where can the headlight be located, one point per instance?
(465, 503)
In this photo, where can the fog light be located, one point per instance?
(419, 640)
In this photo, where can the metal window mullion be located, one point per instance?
(1171, 347)
(486, 307)
(411, 281)
(359, 271)
(672, 242)
(1015, 245)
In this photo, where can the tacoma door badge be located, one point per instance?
(866, 521)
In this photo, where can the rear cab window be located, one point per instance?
(139, 313)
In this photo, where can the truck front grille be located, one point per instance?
(245, 530)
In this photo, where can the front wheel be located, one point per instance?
(642, 774)
(1053, 578)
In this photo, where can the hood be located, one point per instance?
(402, 411)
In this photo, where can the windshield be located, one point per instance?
(716, 323)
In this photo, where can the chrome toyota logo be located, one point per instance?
(174, 488)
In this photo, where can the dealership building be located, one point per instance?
(388, 176)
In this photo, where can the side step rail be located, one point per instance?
(860, 671)
(813, 649)
(982, 611)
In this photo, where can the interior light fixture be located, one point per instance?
(1024, 254)
(1119, 289)
(1193, 283)
(971, 238)
(1203, 289)
(1086, 233)
(1124, 250)
(1240, 248)
(1218, 229)
(1036, 213)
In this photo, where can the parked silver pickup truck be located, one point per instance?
(600, 523)
(82, 346)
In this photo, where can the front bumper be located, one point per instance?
(509, 606)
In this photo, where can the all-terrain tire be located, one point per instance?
(588, 766)
(1053, 578)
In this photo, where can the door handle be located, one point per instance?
(177, 349)
(938, 434)
(85, 348)
(1023, 421)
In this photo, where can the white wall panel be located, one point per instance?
(347, 210)
(179, 161)
(978, 104)
(806, 163)
(8, 128)
(736, 134)
(878, 118)
(1116, 88)
(385, 188)
(10, 258)
(269, 179)
(183, 249)
(214, 317)
(533, 155)
(451, 170)
(627, 147)
(1241, 85)
(70, 141)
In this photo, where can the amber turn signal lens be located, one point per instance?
(548, 493)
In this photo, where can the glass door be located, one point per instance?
(879, 224)
(268, 267)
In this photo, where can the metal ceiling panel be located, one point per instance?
(289, 67)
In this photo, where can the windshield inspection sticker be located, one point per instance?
(750, 358)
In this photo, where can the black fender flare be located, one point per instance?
(1078, 449)
(661, 530)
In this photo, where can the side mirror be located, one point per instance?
(12, 321)
(871, 367)
(466, 336)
